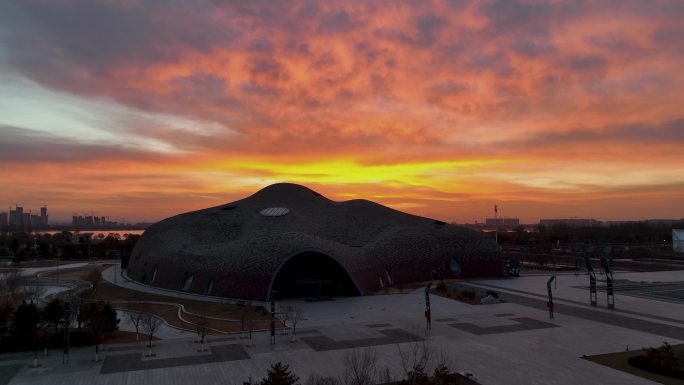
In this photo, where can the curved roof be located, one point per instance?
(237, 248)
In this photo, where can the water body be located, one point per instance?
(122, 233)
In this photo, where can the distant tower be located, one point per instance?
(496, 224)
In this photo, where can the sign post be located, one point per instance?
(273, 317)
(550, 303)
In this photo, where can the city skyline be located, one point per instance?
(441, 109)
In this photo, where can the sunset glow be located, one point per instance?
(144, 109)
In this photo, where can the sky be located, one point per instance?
(144, 109)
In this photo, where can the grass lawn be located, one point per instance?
(458, 293)
(120, 337)
(107, 291)
(619, 361)
(170, 314)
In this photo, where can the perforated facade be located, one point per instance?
(238, 249)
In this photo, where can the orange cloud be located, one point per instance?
(439, 108)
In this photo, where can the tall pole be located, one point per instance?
(496, 224)
(549, 304)
(427, 307)
(272, 320)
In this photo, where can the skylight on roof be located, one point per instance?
(274, 211)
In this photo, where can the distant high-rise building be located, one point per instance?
(25, 221)
(16, 217)
(4, 219)
(44, 217)
(96, 221)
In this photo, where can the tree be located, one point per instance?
(6, 314)
(244, 310)
(44, 250)
(319, 380)
(442, 375)
(25, 322)
(12, 281)
(93, 277)
(285, 312)
(54, 312)
(102, 319)
(33, 292)
(416, 376)
(14, 246)
(295, 315)
(151, 324)
(279, 374)
(360, 367)
(202, 329)
(80, 311)
(414, 356)
(136, 318)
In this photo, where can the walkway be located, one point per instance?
(509, 343)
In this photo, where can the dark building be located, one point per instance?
(502, 222)
(16, 217)
(44, 222)
(290, 241)
(572, 222)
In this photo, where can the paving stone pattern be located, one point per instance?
(378, 325)
(598, 316)
(392, 336)
(7, 373)
(667, 291)
(522, 324)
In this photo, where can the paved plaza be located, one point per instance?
(514, 342)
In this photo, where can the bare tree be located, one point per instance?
(360, 367)
(136, 319)
(384, 376)
(79, 310)
(415, 356)
(151, 324)
(93, 277)
(33, 293)
(285, 312)
(315, 379)
(296, 314)
(444, 361)
(11, 282)
(202, 329)
(244, 310)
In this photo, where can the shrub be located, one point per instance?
(643, 363)
(279, 374)
(441, 286)
(492, 293)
